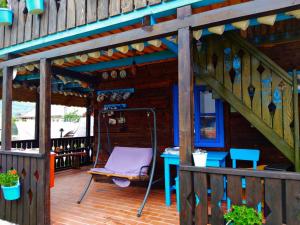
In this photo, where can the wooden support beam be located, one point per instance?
(45, 139)
(221, 16)
(45, 106)
(6, 108)
(37, 118)
(186, 115)
(296, 122)
(186, 99)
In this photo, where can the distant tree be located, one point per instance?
(14, 126)
(72, 117)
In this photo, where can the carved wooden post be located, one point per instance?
(6, 108)
(44, 139)
(186, 116)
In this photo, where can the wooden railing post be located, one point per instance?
(45, 140)
(6, 108)
(37, 119)
(296, 123)
(186, 116)
(88, 120)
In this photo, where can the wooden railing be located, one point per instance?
(277, 192)
(255, 86)
(61, 15)
(71, 152)
(34, 188)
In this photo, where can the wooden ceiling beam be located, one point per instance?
(210, 18)
(73, 74)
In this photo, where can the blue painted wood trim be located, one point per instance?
(171, 46)
(219, 141)
(253, 22)
(157, 56)
(114, 106)
(119, 91)
(164, 9)
(198, 142)
(27, 77)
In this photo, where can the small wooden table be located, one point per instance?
(214, 159)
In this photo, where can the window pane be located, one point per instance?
(207, 103)
(208, 127)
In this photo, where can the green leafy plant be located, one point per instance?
(9, 179)
(72, 117)
(3, 3)
(243, 215)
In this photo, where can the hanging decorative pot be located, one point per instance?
(35, 7)
(6, 15)
(11, 193)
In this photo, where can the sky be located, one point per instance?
(20, 107)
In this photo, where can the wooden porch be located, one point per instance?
(182, 43)
(106, 203)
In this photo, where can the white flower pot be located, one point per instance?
(200, 159)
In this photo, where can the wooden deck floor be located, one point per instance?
(106, 203)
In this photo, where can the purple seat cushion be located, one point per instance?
(127, 161)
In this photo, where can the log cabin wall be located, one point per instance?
(243, 135)
(153, 89)
(62, 15)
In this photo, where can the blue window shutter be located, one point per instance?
(219, 141)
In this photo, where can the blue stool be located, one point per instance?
(244, 155)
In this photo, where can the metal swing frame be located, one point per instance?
(154, 150)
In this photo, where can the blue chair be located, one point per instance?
(244, 155)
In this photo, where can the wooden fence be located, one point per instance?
(68, 150)
(61, 15)
(30, 208)
(279, 193)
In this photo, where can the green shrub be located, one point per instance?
(243, 215)
(72, 117)
(9, 179)
(3, 3)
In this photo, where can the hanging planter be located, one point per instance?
(10, 185)
(35, 7)
(6, 14)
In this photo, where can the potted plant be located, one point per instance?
(10, 185)
(243, 215)
(35, 7)
(6, 14)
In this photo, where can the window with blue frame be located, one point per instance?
(209, 118)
